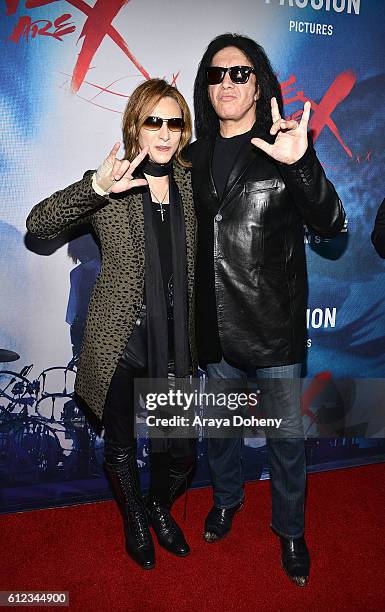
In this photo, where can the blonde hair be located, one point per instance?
(139, 107)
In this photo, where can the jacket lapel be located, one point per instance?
(135, 207)
(130, 220)
(212, 188)
(183, 180)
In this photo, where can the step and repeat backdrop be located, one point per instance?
(67, 70)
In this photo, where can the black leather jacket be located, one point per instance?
(259, 256)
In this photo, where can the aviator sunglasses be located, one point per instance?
(175, 124)
(238, 74)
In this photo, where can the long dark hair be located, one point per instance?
(206, 120)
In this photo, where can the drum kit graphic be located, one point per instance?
(43, 435)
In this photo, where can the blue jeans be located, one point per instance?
(286, 455)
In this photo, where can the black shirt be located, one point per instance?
(209, 347)
(225, 153)
(162, 230)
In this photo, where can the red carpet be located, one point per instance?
(80, 550)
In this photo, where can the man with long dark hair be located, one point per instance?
(256, 179)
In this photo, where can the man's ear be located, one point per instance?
(257, 94)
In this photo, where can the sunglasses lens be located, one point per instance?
(239, 74)
(152, 123)
(175, 124)
(215, 75)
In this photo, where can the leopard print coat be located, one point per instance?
(118, 292)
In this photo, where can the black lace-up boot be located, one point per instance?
(167, 483)
(122, 470)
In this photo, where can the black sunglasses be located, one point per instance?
(175, 124)
(238, 74)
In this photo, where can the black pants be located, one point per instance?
(119, 420)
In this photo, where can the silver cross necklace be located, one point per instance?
(160, 202)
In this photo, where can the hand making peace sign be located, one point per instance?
(115, 175)
(291, 137)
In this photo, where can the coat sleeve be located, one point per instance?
(313, 194)
(378, 233)
(65, 209)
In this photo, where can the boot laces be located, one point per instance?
(138, 524)
(165, 519)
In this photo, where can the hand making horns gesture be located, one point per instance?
(115, 175)
(291, 137)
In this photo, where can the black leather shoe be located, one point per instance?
(295, 560)
(169, 534)
(218, 522)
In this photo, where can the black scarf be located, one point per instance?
(157, 328)
(157, 324)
